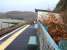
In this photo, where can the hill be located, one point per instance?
(26, 15)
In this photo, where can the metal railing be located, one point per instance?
(46, 41)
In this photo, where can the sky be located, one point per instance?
(26, 5)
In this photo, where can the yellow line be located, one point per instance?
(7, 42)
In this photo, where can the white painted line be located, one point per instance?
(1, 38)
(7, 42)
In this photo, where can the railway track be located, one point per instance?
(7, 30)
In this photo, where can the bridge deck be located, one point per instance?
(20, 43)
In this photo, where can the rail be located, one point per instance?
(46, 41)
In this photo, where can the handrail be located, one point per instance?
(48, 42)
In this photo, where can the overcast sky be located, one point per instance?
(26, 5)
